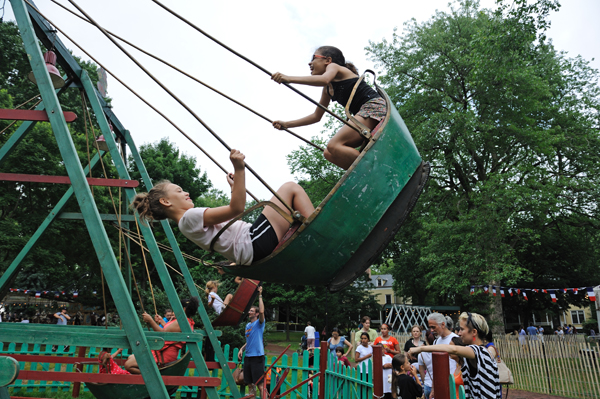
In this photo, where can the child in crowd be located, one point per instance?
(339, 352)
(386, 363)
(405, 382)
(329, 69)
(364, 351)
(458, 380)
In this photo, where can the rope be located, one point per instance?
(87, 141)
(191, 77)
(104, 298)
(184, 105)
(253, 63)
(147, 270)
(137, 95)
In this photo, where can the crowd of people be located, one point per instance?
(408, 371)
(60, 317)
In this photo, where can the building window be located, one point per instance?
(388, 299)
(577, 316)
(379, 282)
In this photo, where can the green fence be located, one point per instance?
(347, 382)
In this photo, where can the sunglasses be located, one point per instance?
(315, 56)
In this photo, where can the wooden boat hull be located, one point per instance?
(134, 391)
(329, 248)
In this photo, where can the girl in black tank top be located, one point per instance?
(329, 69)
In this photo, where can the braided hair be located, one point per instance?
(148, 204)
(337, 57)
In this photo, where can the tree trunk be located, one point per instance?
(497, 316)
(287, 322)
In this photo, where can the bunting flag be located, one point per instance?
(38, 294)
(525, 296)
(486, 289)
(565, 290)
(56, 294)
(553, 295)
(62, 292)
(472, 290)
(575, 290)
(502, 292)
(545, 291)
(94, 293)
(536, 290)
(590, 293)
(518, 291)
(510, 292)
(494, 290)
(75, 294)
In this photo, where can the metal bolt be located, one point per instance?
(137, 343)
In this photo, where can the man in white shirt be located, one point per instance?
(440, 326)
(310, 335)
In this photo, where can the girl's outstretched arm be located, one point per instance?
(462, 351)
(237, 204)
(309, 119)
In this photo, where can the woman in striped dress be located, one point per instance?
(479, 370)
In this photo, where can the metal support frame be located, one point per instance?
(136, 339)
(403, 317)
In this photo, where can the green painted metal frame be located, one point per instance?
(92, 217)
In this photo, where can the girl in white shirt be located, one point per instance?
(214, 299)
(242, 243)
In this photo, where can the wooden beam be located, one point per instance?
(103, 216)
(31, 115)
(92, 181)
(115, 379)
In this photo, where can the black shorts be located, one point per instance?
(254, 368)
(264, 239)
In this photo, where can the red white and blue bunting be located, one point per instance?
(49, 294)
(589, 291)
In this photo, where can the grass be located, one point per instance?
(278, 338)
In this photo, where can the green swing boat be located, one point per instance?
(357, 219)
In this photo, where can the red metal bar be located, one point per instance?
(79, 368)
(92, 181)
(322, 368)
(278, 385)
(378, 371)
(115, 379)
(31, 115)
(299, 385)
(441, 373)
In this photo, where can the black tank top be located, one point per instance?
(343, 89)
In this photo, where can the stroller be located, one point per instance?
(303, 345)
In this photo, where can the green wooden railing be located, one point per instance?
(347, 382)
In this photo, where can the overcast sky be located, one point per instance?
(279, 35)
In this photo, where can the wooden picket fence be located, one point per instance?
(556, 366)
(343, 382)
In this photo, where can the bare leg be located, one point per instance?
(227, 299)
(132, 366)
(296, 197)
(341, 149)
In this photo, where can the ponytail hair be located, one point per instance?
(148, 204)
(337, 57)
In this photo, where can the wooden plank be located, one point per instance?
(71, 337)
(116, 379)
(104, 216)
(9, 370)
(92, 181)
(31, 115)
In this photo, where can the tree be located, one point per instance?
(510, 127)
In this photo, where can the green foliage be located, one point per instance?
(510, 127)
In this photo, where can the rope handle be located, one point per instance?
(289, 218)
(364, 131)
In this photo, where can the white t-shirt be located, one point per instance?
(425, 360)
(446, 341)
(387, 386)
(310, 332)
(362, 351)
(234, 244)
(218, 304)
